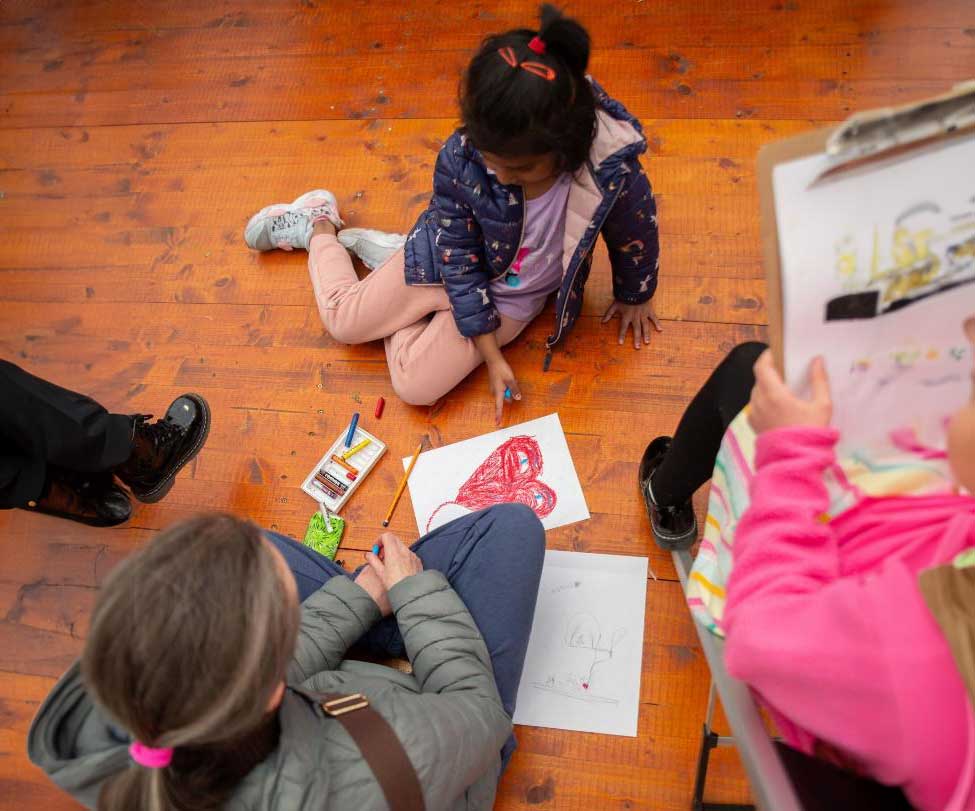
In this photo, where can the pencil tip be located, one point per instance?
(385, 523)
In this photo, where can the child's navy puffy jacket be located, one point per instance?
(471, 231)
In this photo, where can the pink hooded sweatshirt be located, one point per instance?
(826, 623)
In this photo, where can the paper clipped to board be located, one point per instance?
(878, 275)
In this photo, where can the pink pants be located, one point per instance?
(426, 354)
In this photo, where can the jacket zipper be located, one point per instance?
(521, 235)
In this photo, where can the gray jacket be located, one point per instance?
(448, 714)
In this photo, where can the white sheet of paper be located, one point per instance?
(529, 463)
(903, 227)
(585, 656)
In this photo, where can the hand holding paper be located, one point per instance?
(774, 405)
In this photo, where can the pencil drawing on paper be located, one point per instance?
(929, 253)
(584, 635)
(510, 474)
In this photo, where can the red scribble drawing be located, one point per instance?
(509, 474)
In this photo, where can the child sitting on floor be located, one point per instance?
(545, 161)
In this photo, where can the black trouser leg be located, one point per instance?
(690, 460)
(21, 478)
(42, 424)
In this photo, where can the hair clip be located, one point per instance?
(537, 45)
(539, 69)
(508, 55)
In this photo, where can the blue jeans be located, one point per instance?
(492, 558)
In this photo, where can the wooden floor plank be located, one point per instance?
(354, 26)
(351, 87)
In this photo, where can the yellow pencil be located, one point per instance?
(354, 450)
(402, 485)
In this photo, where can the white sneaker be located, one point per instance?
(372, 247)
(288, 225)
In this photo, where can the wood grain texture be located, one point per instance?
(137, 138)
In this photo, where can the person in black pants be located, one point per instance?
(672, 469)
(60, 451)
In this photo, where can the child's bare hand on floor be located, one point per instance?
(641, 317)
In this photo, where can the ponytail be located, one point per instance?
(135, 788)
(525, 92)
(565, 39)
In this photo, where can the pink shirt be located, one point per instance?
(825, 621)
(537, 270)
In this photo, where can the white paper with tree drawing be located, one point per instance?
(527, 463)
(878, 273)
(585, 656)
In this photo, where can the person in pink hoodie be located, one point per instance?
(845, 628)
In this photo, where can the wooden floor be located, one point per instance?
(137, 137)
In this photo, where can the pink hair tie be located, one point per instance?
(537, 45)
(151, 757)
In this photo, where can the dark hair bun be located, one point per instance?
(565, 39)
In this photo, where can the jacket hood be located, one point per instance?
(619, 135)
(72, 741)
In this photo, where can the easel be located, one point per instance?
(863, 138)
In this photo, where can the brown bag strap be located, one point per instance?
(379, 746)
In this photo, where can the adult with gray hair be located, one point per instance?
(205, 679)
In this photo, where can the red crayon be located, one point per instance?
(379, 407)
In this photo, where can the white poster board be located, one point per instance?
(527, 463)
(585, 655)
(878, 273)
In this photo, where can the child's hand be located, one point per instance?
(398, 561)
(638, 316)
(370, 582)
(773, 405)
(500, 378)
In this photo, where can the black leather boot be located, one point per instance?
(89, 498)
(162, 448)
(673, 527)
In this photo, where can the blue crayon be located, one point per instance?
(375, 549)
(352, 427)
(507, 394)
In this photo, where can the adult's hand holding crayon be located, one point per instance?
(398, 561)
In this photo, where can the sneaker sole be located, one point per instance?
(161, 490)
